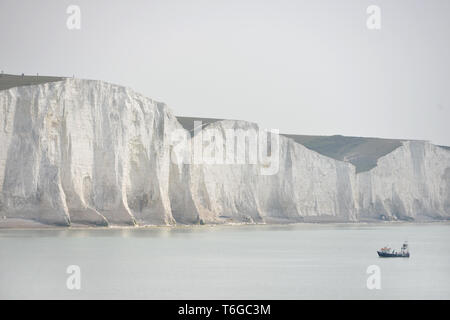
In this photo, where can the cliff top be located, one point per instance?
(362, 152)
(8, 81)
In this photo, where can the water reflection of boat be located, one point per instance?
(387, 252)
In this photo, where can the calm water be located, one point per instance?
(242, 262)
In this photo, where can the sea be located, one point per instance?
(301, 261)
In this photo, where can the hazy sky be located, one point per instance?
(309, 67)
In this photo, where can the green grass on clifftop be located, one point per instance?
(8, 81)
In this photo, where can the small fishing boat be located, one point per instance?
(387, 252)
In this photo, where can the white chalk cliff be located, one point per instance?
(410, 183)
(87, 152)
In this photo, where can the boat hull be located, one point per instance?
(392, 255)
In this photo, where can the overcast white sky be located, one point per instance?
(307, 67)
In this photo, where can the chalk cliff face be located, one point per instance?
(410, 183)
(82, 151)
(306, 185)
(87, 152)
